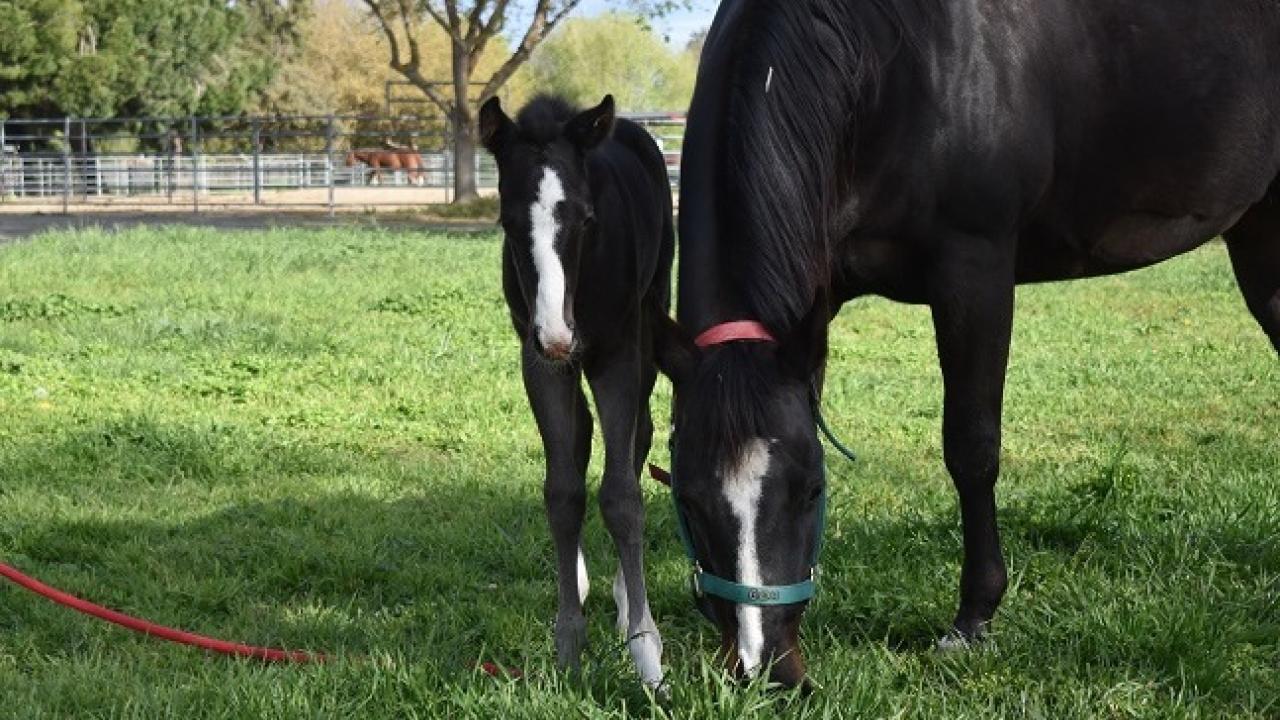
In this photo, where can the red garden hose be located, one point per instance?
(160, 631)
(182, 637)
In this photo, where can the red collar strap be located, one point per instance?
(748, 330)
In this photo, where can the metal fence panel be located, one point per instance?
(206, 161)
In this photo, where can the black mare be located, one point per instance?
(586, 209)
(936, 153)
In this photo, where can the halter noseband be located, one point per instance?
(704, 583)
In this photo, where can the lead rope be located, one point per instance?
(840, 447)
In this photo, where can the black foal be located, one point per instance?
(586, 208)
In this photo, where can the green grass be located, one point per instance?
(319, 440)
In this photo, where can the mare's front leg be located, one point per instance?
(972, 293)
(617, 383)
(555, 394)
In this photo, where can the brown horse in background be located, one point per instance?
(394, 160)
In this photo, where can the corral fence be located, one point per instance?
(203, 163)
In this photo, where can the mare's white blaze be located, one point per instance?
(584, 582)
(743, 484)
(548, 310)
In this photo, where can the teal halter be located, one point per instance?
(705, 583)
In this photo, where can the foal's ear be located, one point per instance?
(674, 351)
(804, 350)
(495, 126)
(592, 127)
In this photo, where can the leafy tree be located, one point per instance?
(138, 57)
(624, 58)
(471, 25)
(341, 66)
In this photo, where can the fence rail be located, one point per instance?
(209, 162)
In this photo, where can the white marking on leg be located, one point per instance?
(548, 311)
(643, 639)
(584, 582)
(620, 600)
(743, 484)
(768, 82)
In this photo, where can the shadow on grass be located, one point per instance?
(458, 569)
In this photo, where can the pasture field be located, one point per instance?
(318, 439)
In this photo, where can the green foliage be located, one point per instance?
(614, 53)
(320, 440)
(138, 57)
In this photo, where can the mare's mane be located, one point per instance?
(799, 75)
(801, 72)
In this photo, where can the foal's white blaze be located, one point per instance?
(548, 310)
(743, 484)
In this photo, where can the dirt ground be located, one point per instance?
(367, 207)
(15, 226)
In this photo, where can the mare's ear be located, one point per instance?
(592, 127)
(495, 126)
(803, 352)
(674, 351)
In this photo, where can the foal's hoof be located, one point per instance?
(954, 642)
(661, 691)
(571, 639)
(959, 640)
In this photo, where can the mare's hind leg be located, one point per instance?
(555, 394)
(616, 383)
(1255, 253)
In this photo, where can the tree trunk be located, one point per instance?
(464, 159)
(464, 128)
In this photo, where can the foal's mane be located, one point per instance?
(541, 120)
(785, 147)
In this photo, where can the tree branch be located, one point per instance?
(486, 30)
(410, 33)
(410, 70)
(436, 15)
(475, 21)
(376, 10)
(543, 22)
(414, 75)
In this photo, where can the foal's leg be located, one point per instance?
(644, 418)
(644, 442)
(555, 394)
(616, 384)
(973, 291)
(1255, 252)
